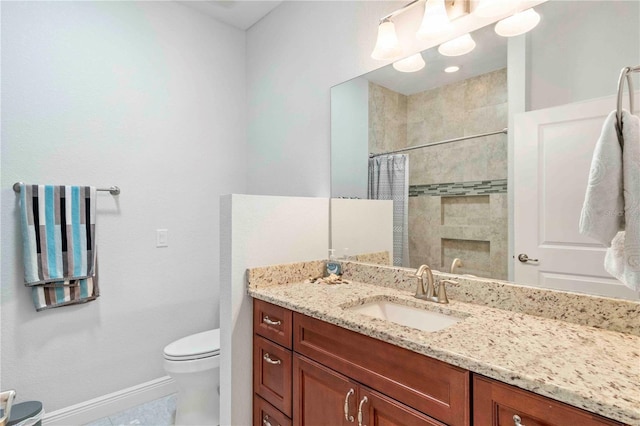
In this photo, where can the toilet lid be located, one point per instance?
(196, 346)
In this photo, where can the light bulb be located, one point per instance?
(453, 68)
(387, 46)
(518, 24)
(411, 64)
(435, 22)
(458, 46)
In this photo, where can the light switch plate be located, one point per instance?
(162, 238)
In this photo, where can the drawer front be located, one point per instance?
(498, 404)
(265, 414)
(272, 322)
(433, 387)
(380, 410)
(272, 373)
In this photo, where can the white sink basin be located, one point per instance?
(406, 315)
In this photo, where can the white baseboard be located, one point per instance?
(109, 404)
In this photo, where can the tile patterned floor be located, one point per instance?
(160, 412)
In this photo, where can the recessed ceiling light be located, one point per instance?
(452, 69)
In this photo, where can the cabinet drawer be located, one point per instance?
(272, 373)
(379, 409)
(265, 414)
(496, 404)
(273, 322)
(433, 387)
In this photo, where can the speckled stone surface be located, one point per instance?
(590, 368)
(268, 276)
(583, 309)
(379, 258)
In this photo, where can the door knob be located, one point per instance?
(522, 257)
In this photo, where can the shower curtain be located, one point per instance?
(389, 180)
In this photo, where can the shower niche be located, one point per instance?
(472, 228)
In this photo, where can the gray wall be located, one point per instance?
(294, 56)
(579, 49)
(149, 96)
(349, 132)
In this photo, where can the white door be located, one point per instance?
(552, 158)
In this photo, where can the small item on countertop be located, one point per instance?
(330, 280)
(333, 266)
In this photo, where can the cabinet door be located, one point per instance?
(272, 373)
(499, 404)
(322, 396)
(375, 409)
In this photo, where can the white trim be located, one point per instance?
(112, 403)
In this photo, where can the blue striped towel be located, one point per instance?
(58, 234)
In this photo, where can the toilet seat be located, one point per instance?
(196, 346)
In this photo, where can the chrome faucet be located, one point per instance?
(428, 293)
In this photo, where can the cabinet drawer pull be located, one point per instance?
(362, 402)
(269, 321)
(270, 360)
(266, 422)
(517, 421)
(347, 417)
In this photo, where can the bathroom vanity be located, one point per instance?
(319, 361)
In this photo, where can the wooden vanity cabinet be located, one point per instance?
(307, 372)
(498, 404)
(326, 397)
(272, 361)
(434, 388)
(331, 369)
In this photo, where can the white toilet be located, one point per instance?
(194, 363)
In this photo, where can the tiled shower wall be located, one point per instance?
(471, 225)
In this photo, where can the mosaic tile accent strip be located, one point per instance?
(478, 187)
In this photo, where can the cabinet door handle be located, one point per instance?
(270, 360)
(362, 402)
(517, 421)
(347, 417)
(269, 321)
(266, 422)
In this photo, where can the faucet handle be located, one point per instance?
(442, 290)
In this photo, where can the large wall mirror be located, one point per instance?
(461, 198)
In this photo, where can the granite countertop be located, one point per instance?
(587, 367)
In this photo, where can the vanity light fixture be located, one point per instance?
(458, 46)
(412, 63)
(387, 45)
(435, 22)
(453, 68)
(495, 8)
(518, 24)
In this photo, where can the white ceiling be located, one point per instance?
(241, 14)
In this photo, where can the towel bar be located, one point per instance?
(114, 190)
(625, 75)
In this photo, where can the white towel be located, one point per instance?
(611, 210)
